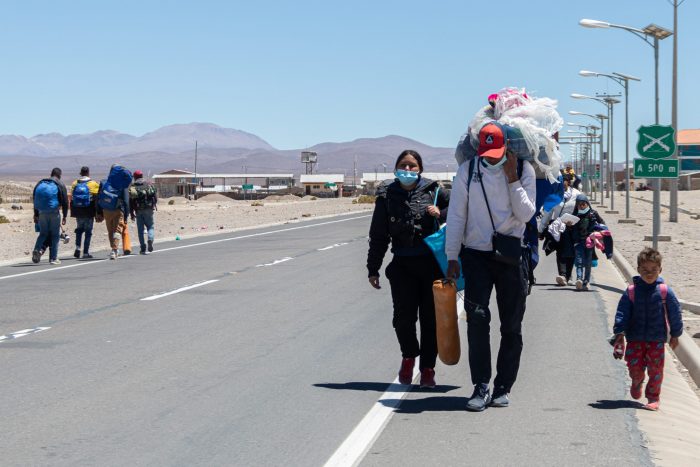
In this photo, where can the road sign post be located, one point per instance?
(655, 145)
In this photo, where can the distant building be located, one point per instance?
(689, 155)
(323, 185)
(184, 183)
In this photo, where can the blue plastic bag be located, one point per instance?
(436, 243)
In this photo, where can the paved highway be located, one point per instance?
(269, 347)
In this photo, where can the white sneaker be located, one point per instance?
(56, 261)
(561, 281)
(579, 284)
(113, 254)
(569, 282)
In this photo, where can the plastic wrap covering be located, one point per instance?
(530, 125)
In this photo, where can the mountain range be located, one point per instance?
(220, 150)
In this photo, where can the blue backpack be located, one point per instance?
(109, 197)
(46, 196)
(120, 177)
(82, 198)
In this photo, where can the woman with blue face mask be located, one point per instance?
(588, 220)
(408, 209)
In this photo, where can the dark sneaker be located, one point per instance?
(150, 246)
(500, 398)
(427, 378)
(406, 371)
(585, 286)
(127, 252)
(480, 398)
(76, 253)
(36, 256)
(142, 252)
(87, 256)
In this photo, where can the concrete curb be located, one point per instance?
(688, 352)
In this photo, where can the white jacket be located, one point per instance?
(512, 205)
(565, 207)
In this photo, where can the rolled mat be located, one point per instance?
(445, 298)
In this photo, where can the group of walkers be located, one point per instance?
(122, 195)
(492, 200)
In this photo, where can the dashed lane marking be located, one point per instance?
(22, 333)
(182, 289)
(335, 245)
(277, 261)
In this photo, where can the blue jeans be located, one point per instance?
(144, 217)
(49, 229)
(85, 225)
(584, 258)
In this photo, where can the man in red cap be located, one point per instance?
(490, 204)
(143, 201)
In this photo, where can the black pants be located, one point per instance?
(481, 274)
(411, 279)
(565, 265)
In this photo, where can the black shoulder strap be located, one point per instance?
(483, 190)
(471, 172)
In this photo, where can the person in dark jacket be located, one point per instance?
(83, 204)
(143, 201)
(641, 319)
(407, 210)
(47, 215)
(588, 220)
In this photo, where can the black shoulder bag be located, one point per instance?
(506, 248)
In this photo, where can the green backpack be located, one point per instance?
(143, 196)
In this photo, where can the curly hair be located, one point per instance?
(650, 255)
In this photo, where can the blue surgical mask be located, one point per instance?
(584, 211)
(496, 165)
(406, 177)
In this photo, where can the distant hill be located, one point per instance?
(219, 150)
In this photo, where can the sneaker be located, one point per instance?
(76, 253)
(480, 398)
(500, 398)
(560, 281)
(406, 371)
(585, 286)
(427, 378)
(636, 389)
(579, 284)
(150, 246)
(87, 256)
(113, 254)
(55, 261)
(36, 256)
(142, 252)
(127, 252)
(652, 405)
(570, 282)
(41, 252)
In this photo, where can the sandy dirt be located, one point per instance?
(211, 214)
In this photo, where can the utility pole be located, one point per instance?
(195, 169)
(673, 212)
(354, 174)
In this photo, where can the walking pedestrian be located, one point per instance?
(113, 204)
(588, 220)
(143, 202)
(565, 252)
(492, 199)
(647, 313)
(50, 200)
(407, 210)
(84, 191)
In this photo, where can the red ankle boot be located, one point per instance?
(406, 371)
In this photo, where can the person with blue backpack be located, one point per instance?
(83, 203)
(113, 203)
(50, 200)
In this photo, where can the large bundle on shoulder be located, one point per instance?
(531, 124)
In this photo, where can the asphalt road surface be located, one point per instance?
(269, 347)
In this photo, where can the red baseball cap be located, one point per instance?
(492, 141)
(138, 174)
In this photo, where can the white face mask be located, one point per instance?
(496, 165)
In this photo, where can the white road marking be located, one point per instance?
(86, 263)
(335, 245)
(277, 261)
(182, 289)
(22, 333)
(358, 443)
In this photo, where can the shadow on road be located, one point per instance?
(379, 387)
(429, 404)
(609, 288)
(618, 404)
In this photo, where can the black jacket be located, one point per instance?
(586, 224)
(400, 218)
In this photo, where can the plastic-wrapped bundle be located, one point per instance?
(530, 125)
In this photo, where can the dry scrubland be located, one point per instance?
(211, 214)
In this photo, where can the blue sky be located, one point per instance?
(304, 72)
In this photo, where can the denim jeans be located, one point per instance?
(49, 229)
(584, 258)
(144, 217)
(85, 225)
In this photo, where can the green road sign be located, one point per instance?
(656, 141)
(247, 187)
(663, 168)
(597, 175)
(584, 175)
(329, 184)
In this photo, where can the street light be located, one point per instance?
(651, 34)
(623, 80)
(600, 118)
(586, 162)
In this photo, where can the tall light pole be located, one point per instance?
(673, 212)
(601, 118)
(651, 34)
(623, 80)
(591, 133)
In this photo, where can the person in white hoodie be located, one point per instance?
(491, 200)
(565, 241)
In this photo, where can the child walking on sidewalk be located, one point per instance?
(647, 311)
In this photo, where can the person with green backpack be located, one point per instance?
(143, 201)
